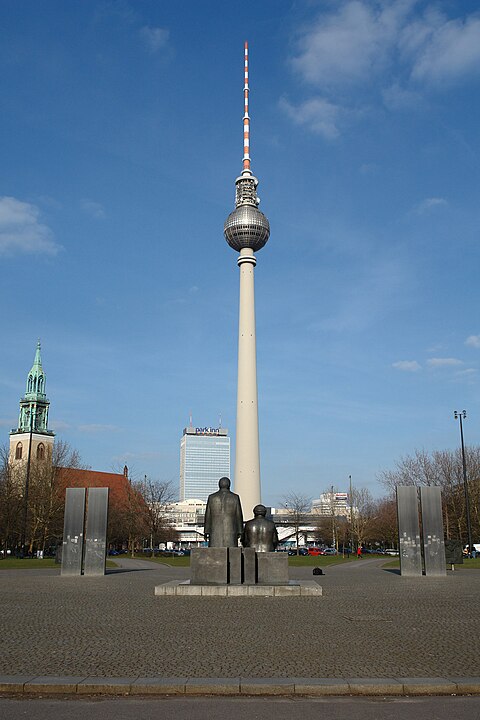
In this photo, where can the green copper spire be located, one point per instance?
(36, 377)
(34, 405)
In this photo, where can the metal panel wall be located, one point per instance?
(432, 522)
(72, 548)
(409, 530)
(96, 532)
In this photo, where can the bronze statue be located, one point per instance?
(223, 517)
(260, 533)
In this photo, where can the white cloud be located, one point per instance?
(473, 341)
(351, 44)
(407, 365)
(450, 48)
(396, 97)
(59, 425)
(318, 114)
(430, 204)
(95, 209)
(355, 43)
(22, 231)
(95, 428)
(444, 362)
(155, 38)
(468, 372)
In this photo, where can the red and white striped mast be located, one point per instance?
(247, 231)
(246, 119)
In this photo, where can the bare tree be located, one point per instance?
(11, 502)
(46, 494)
(158, 494)
(128, 518)
(363, 514)
(383, 527)
(443, 468)
(298, 506)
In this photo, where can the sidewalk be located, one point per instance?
(406, 634)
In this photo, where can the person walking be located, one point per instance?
(359, 552)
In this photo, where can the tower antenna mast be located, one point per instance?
(246, 119)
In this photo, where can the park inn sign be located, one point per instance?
(207, 431)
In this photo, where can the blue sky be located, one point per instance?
(121, 138)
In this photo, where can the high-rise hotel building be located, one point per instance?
(204, 459)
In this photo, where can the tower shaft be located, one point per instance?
(247, 455)
(247, 230)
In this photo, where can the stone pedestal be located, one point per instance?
(249, 566)
(235, 566)
(272, 568)
(208, 566)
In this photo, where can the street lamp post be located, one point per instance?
(462, 416)
(33, 422)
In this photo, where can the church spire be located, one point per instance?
(36, 377)
(32, 439)
(34, 405)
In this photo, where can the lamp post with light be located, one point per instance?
(462, 416)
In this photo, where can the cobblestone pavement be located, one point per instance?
(370, 622)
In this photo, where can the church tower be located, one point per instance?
(32, 438)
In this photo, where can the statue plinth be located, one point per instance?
(237, 566)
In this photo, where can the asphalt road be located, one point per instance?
(446, 708)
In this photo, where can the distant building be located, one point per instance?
(336, 503)
(187, 517)
(120, 490)
(204, 459)
(32, 439)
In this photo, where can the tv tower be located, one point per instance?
(246, 231)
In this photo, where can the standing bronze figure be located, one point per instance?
(223, 517)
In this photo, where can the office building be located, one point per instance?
(204, 459)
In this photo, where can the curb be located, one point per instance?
(182, 588)
(320, 687)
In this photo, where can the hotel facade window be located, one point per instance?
(204, 459)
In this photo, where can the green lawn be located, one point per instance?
(12, 563)
(468, 564)
(293, 560)
(31, 563)
(173, 561)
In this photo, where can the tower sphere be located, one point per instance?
(246, 227)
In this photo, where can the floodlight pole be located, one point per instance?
(459, 416)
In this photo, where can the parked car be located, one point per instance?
(329, 551)
(391, 551)
(316, 551)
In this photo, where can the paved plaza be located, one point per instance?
(369, 623)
